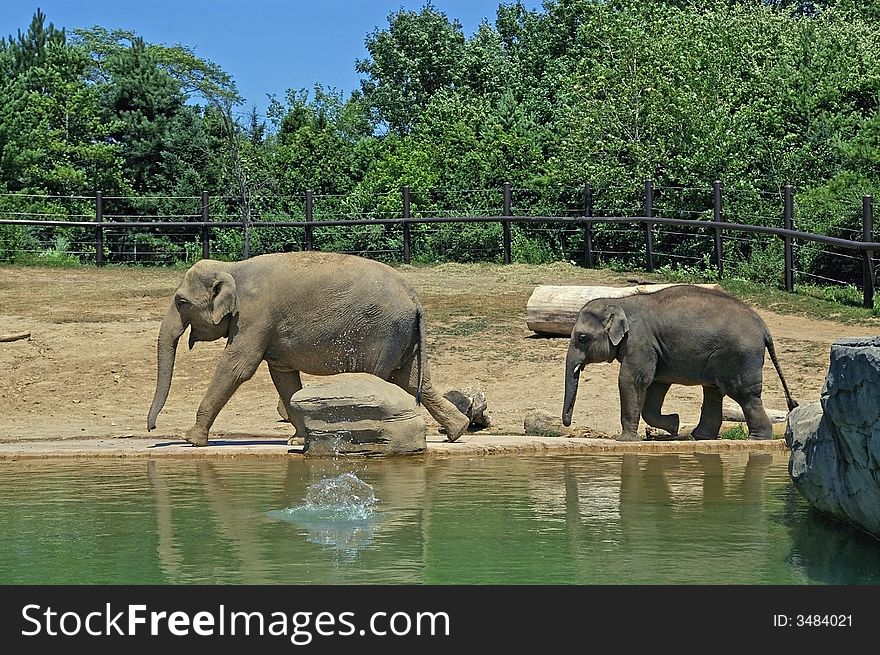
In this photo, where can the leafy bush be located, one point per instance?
(737, 432)
(531, 250)
(16, 241)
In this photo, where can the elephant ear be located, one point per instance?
(224, 297)
(616, 325)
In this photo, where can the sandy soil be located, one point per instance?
(89, 369)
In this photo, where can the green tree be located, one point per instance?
(53, 138)
(198, 78)
(418, 55)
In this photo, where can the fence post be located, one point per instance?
(649, 228)
(407, 237)
(718, 217)
(99, 228)
(246, 231)
(789, 225)
(505, 224)
(309, 208)
(867, 267)
(206, 235)
(588, 225)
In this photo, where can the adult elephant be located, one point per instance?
(310, 312)
(679, 335)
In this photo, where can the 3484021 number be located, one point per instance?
(823, 620)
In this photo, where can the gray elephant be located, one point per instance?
(310, 312)
(679, 335)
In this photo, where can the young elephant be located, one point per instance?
(317, 313)
(679, 335)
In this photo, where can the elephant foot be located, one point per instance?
(196, 437)
(629, 436)
(457, 429)
(703, 437)
(296, 441)
(760, 436)
(669, 423)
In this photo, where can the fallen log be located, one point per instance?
(553, 310)
(15, 336)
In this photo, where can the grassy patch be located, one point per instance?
(544, 433)
(450, 293)
(837, 303)
(737, 432)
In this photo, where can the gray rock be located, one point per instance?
(835, 442)
(542, 424)
(473, 404)
(358, 413)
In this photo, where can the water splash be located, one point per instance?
(338, 513)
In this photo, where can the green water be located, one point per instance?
(581, 519)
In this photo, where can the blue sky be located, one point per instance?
(268, 46)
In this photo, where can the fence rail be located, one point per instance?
(585, 221)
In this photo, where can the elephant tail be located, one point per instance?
(768, 342)
(422, 351)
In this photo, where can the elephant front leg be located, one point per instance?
(710, 414)
(652, 409)
(288, 383)
(231, 371)
(632, 399)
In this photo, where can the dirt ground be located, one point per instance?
(89, 368)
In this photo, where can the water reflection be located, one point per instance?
(338, 513)
(265, 522)
(825, 549)
(664, 512)
(730, 518)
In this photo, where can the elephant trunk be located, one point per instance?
(166, 348)
(573, 365)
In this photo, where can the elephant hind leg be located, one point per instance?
(454, 423)
(710, 414)
(651, 410)
(444, 412)
(756, 417)
(286, 384)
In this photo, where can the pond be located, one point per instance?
(730, 518)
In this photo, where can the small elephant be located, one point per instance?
(311, 312)
(679, 335)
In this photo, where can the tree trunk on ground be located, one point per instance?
(15, 336)
(553, 310)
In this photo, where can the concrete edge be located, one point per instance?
(262, 447)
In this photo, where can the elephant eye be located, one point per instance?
(181, 302)
(582, 337)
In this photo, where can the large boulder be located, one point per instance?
(835, 442)
(359, 413)
(473, 404)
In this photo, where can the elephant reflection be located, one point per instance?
(665, 503)
(263, 550)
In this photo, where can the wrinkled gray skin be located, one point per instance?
(679, 335)
(316, 313)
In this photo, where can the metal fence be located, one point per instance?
(581, 224)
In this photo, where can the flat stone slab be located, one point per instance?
(221, 447)
(358, 413)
